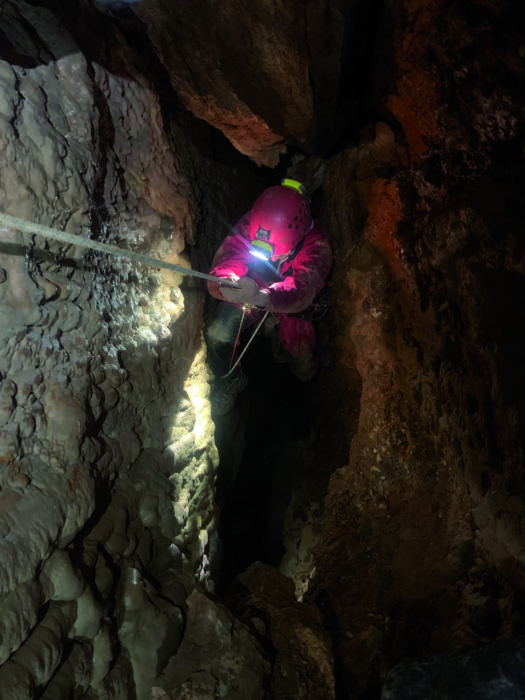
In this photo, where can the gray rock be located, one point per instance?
(493, 672)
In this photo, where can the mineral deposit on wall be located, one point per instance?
(106, 447)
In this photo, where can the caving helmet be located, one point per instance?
(280, 218)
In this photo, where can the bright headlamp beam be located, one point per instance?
(259, 254)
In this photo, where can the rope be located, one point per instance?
(263, 319)
(237, 340)
(52, 233)
(46, 232)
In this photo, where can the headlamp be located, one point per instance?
(261, 249)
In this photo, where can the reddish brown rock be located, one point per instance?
(264, 75)
(424, 520)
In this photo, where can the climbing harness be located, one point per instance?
(46, 232)
(245, 309)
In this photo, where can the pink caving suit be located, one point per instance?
(303, 278)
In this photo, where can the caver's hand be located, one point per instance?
(248, 292)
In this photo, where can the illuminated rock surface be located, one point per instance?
(321, 533)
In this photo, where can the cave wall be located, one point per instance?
(109, 549)
(106, 451)
(422, 549)
(107, 456)
(269, 75)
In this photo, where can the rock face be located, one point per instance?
(422, 549)
(107, 460)
(492, 671)
(219, 657)
(268, 75)
(404, 539)
(302, 660)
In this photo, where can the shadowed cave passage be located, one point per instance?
(265, 449)
(268, 442)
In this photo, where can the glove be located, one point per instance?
(247, 293)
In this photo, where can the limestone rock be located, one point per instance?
(285, 51)
(94, 356)
(302, 661)
(218, 657)
(411, 518)
(488, 673)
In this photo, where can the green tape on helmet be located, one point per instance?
(294, 184)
